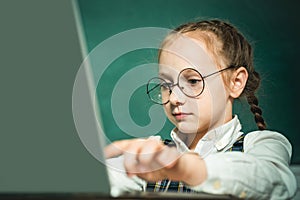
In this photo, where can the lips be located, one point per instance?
(180, 115)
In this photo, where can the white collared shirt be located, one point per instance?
(260, 172)
(216, 140)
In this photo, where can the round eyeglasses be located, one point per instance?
(189, 81)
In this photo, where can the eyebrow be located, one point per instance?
(165, 76)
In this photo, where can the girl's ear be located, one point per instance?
(238, 82)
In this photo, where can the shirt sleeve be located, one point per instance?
(119, 181)
(260, 172)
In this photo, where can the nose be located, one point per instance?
(177, 97)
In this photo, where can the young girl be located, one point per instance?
(204, 66)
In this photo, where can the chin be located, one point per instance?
(187, 128)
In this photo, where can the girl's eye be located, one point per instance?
(194, 81)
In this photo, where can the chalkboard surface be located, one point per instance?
(40, 149)
(272, 26)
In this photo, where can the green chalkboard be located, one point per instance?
(271, 26)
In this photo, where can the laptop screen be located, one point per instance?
(40, 149)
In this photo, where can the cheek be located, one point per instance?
(168, 111)
(217, 102)
(204, 108)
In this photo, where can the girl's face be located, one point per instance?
(209, 110)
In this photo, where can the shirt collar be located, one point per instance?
(220, 137)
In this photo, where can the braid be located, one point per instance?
(251, 86)
(256, 110)
(235, 51)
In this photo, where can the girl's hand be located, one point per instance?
(147, 158)
(151, 160)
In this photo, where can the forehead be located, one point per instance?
(185, 52)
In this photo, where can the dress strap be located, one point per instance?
(238, 145)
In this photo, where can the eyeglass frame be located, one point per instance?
(172, 85)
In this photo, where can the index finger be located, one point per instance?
(116, 148)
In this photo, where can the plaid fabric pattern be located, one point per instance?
(167, 185)
(178, 186)
(238, 145)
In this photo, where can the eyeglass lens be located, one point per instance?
(190, 82)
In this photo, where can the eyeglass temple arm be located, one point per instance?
(231, 66)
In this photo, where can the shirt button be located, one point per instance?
(219, 143)
(217, 184)
(242, 195)
(210, 137)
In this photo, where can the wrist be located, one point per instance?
(192, 168)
